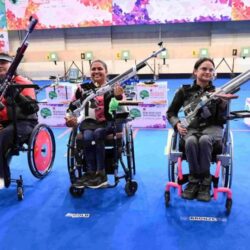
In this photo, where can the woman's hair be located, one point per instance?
(202, 60)
(100, 61)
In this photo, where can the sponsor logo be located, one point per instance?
(204, 218)
(77, 215)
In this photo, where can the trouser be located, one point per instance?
(24, 128)
(94, 147)
(199, 147)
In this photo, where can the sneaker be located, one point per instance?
(99, 181)
(204, 193)
(80, 183)
(190, 191)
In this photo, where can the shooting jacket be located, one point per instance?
(24, 102)
(212, 114)
(96, 112)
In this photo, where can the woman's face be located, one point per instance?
(204, 74)
(98, 73)
(4, 66)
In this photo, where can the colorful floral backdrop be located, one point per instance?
(58, 13)
(241, 10)
(169, 11)
(82, 13)
(3, 23)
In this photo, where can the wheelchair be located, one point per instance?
(222, 157)
(119, 147)
(40, 148)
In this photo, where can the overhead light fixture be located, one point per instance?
(203, 53)
(88, 55)
(245, 52)
(125, 55)
(164, 54)
(53, 57)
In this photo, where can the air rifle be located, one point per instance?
(230, 87)
(111, 84)
(16, 61)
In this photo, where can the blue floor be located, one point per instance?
(50, 218)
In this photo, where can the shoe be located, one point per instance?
(80, 183)
(99, 181)
(204, 193)
(190, 191)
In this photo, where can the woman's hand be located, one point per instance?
(227, 96)
(181, 129)
(118, 90)
(71, 121)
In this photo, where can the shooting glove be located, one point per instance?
(27, 104)
(11, 92)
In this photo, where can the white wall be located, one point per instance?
(183, 42)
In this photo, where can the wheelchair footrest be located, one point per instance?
(228, 191)
(174, 185)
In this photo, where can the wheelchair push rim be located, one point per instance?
(41, 151)
(129, 147)
(73, 171)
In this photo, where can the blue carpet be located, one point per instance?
(108, 219)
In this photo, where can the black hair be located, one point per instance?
(202, 60)
(100, 61)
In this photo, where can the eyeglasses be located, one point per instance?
(207, 69)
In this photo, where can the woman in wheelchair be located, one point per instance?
(95, 126)
(202, 133)
(25, 116)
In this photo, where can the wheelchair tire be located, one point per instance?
(132, 150)
(167, 198)
(76, 192)
(227, 171)
(229, 203)
(131, 188)
(71, 149)
(41, 151)
(20, 193)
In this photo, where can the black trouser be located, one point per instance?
(199, 147)
(24, 128)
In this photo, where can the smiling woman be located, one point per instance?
(95, 125)
(202, 133)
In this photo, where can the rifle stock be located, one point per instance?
(16, 61)
(230, 87)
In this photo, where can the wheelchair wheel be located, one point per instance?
(41, 150)
(132, 150)
(227, 171)
(74, 171)
(172, 146)
(20, 193)
(229, 203)
(19, 188)
(167, 198)
(129, 147)
(76, 192)
(131, 188)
